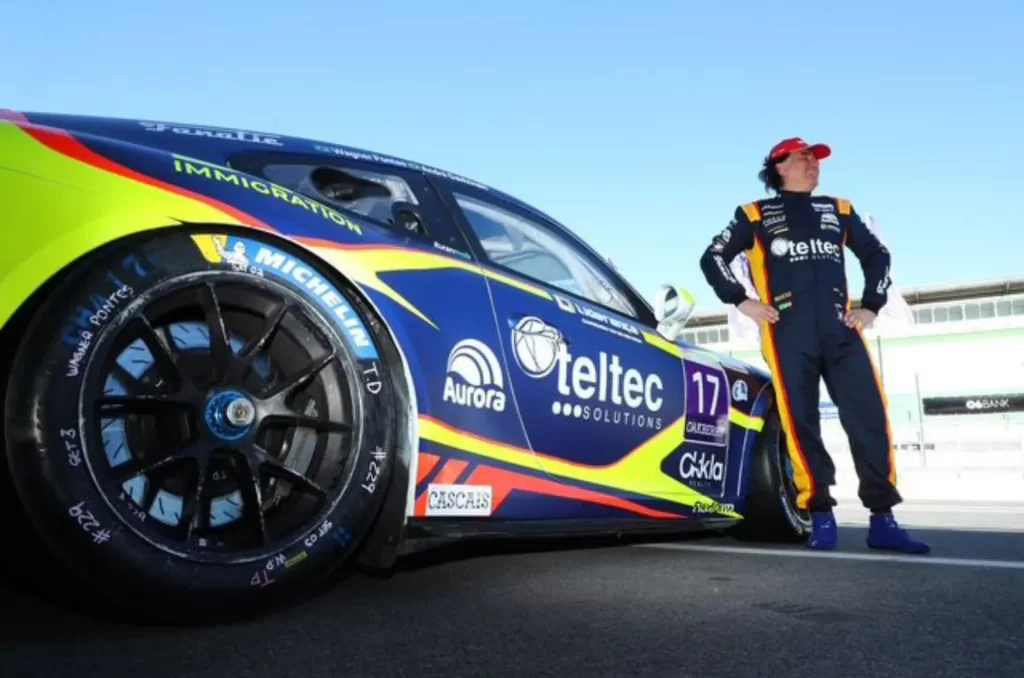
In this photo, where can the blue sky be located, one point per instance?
(641, 128)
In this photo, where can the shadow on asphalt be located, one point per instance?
(38, 602)
(482, 547)
(38, 596)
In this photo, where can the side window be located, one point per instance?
(384, 198)
(532, 250)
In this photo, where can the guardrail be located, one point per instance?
(944, 461)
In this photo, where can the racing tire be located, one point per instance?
(199, 424)
(771, 513)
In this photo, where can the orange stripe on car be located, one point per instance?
(67, 145)
(451, 471)
(504, 481)
(425, 465)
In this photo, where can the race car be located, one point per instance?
(240, 361)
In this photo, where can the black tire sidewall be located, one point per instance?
(44, 402)
(775, 462)
(785, 498)
(770, 509)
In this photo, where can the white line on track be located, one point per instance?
(841, 555)
(947, 507)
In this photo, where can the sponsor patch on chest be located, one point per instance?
(812, 249)
(830, 222)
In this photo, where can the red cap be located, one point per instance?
(787, 146)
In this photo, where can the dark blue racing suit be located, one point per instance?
(795, 247)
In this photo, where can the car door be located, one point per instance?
(601, 395)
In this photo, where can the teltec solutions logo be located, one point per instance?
(815, 248)
(474, 377)
(600, 390)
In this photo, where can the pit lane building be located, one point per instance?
(954, 376)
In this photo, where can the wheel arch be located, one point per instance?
(763, 406)
(768, 509)
(380, 547)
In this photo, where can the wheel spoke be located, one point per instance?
(270, 327)
(131, 383)
(163, 355)
(220, 348)
(282, 394)
(278, 470)
(300, 421)
(149, 497)
(193, 495)
(278, 415)
(252, 496)
(120, 406)
(163, 460)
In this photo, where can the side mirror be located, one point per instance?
(673, 306)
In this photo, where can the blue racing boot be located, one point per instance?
(823, 531)
(885, 533)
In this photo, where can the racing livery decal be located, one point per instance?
(248, 256)
(598, 388)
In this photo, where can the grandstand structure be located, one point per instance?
(953, 373)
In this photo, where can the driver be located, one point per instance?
(794, 243)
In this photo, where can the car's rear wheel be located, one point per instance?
(771, 513)
(198, 423)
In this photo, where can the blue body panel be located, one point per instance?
(566, 409)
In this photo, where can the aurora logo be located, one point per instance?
(474, 377)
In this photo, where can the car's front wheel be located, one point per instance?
(199, 423)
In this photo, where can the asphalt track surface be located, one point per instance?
(701, 607)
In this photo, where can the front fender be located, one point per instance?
(31, 263)
(60, 204)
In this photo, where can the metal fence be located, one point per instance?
(989, 442)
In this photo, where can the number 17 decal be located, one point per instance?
(707, 404)
(700, 378)
(704, 457)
